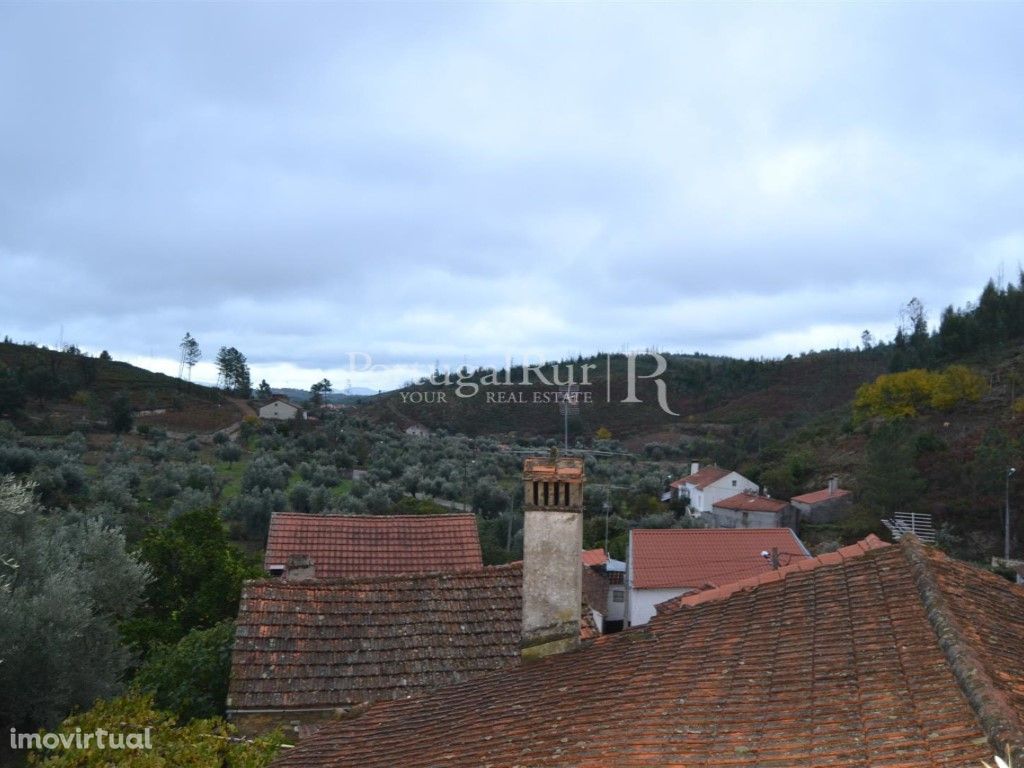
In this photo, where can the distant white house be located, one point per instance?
(281, 409)
(417, 430)
(706, 486)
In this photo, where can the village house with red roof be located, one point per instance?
(875, 655)
(825, 506)
(704, 486)
(374, 608)
(666, 563)
(753, 510)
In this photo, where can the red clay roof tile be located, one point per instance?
(356, 546)
(752, 502)
(594, 557)
(339, 643)
(693, 557)
(702, 478)
(896, 656)
(816, 497)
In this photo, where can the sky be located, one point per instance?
(364, 190)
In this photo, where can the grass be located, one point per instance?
(231, 474)
(341, 489)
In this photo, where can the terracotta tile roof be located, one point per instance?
(592, 557)
(328, 644)
(344, 546)
(752, 502)
(717, 593)
(897, 656)
(819, 496)
(702, 478)
(695, 557)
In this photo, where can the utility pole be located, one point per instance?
(607, 508)
(1006, 532)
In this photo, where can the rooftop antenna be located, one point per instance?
(568, 403)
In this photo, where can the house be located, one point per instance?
(703, 487)
(281, 409)
(357, 546)
(665, 563)
(604, 591)
(875, 655)
(824, 506)
(417, 430)
(309, 649)
(752, 510)
(306, 651)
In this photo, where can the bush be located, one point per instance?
(58, 621)
(190, 678)
(229, 452)
(266, 472)
(210, 742)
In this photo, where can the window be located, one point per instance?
(618, 596)
(733, 483)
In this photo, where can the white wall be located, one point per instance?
(640, 602)
(729, 485)
(616, 611)
(278, 410)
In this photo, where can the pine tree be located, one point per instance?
(190, 354)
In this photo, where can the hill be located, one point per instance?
(50, 391)
(707, 393)
(348, 397)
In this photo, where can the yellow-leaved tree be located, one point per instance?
(904, 395)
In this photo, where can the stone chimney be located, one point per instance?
(299, 568)
(552, 544)
(694, 467)
(833, 485)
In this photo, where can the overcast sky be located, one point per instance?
(461, 182)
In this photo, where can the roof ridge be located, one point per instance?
(371, 517)
(342, 581)
(841, 555)
(995, 715)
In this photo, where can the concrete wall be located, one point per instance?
(828, 511)
(552, 578)
(734, 518)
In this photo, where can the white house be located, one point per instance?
(669, 562)
(705, 486)
(281, 410)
